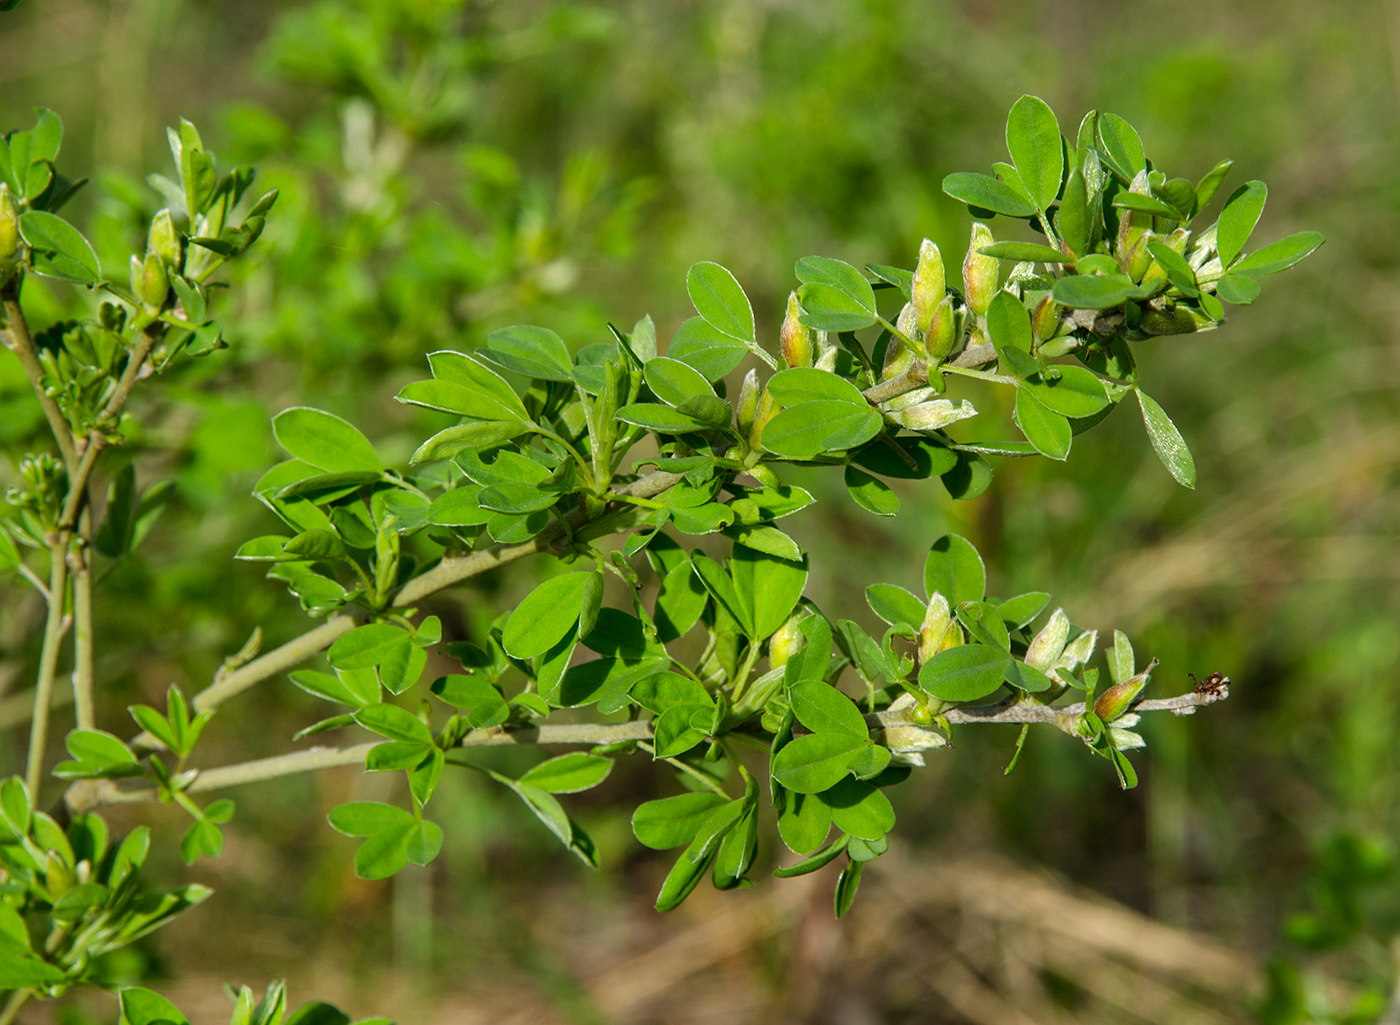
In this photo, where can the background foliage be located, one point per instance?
(448, 168)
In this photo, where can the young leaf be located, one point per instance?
(60, 250)
(569, 774)
(324, 440)
(817, 761)
(1120, 146)
(1033, 138)
(531, 351)
(1167, 440)
(1238, 219)
(870, 493)
(545, 615)
(673, 821)
(721, 301)
(1280, 255)
(955, 570)
(1048, 431)
(987, 193)
(964, 673)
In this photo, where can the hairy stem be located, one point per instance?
(48, 664)
(19, 341)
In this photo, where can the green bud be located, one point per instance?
(934, 414)
(942, 332)
(767, 409)
(930, 284)
(1176, 321)
(163, 242)
(1047, 646)
(149, 282)
(1132, 223)
(1137, 258)
(980, 272)
(786, 642)
(827, 360)
(1113, 702)
(748, 402)
(9, 234)
(898, 356)
(795, 337)
(1045, 320)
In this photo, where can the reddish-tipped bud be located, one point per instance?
(980, 272)
(1112, 703)
(930, 285)
(942, 332)
(796, 337)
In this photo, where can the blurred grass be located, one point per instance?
(575, 159)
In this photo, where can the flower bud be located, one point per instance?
(795, 337)
(149, 282)
(1176, 321)
(827, 360)
(935, 414)
(937, 619)
(1137, 257)
(748, 402)
(163, 242)
(942, 331)
(1078, 651)
(1045, 320)
(898, 356)
(1132, 223)
(1113, 702)
(980, 272)
(1046, 647)
(786, 642)
(766, 410)
(930, 285)
(9, 224)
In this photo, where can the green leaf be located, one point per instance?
(458, 508)
(545, 615)
(1122, 663)
(679, 602)
(987, 193)
(673, 381)
(816, 761)
(807, 384)
(1092, 291)
(569, 773)
(838, 293)
(925, 458)
(1033, 252)
(145, 1007)
(98, 747)
(720, 300)
(895, 605)
(395, 723)
(955, 570)
(1280, 255)
(1178, 271)
(366, 646)
(1020, 610)
(1120, 146)
(324, 440)
(673, 821)
(846, 885)
(1033, 138)
(811, 428)
(821, 858)
(447, 443)
(870, 493)
(1168, 442)
(767, 588)
(964, 673)
(516, 499)
(60, 250)
(1145, 204)
(1237, 289)
(1238, 219)
(709, 351)
(721, 585)
(1206, 187)
(859, 809)
(680, 728)
(1027, 678)
(804, 820)
(463, 369)
(531, 351)
(1048, 431)
(1075, 221)
(1070, 391)
(662, 419)
(1009, 323)
(824, 709)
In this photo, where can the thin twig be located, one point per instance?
(84, 673)
(19, 341)
(17, 1000)
(48, 665)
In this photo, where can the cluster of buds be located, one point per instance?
(939, 631)
(44, 487)
(10, 246)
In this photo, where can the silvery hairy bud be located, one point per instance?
(980, 272)
(1138, 258)
(937, 618)
(827, 360)
(942, 332)
(1113, 702)
(1047, 646)
(149, 282)
(163, 243)
(786, 642)
(934, 414)
(1132, 223)
(9, 234)
(747, 405)
(898, 356)
(767, 409)
(795, 337)
(930, 285)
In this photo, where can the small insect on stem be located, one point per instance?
(1216, 684)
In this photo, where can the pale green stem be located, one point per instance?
(17, 1000)
(22, 345)
(84, 676)
(980, 375)
(48, 665)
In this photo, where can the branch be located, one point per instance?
(917, 374)
(21, 344)
(87, 794)
(48, 665)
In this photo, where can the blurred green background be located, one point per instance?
(450, 167)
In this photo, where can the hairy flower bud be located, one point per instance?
(786, 642)
(1045, 320)
(942, 332)
(937, 618)
(163, 242)
(898, 356)
(930, 285)
(1138, 258)
(795, 337)
(149, 282)
(9, 223)
(980, 272)
(766, 410)
(827, 360)
(935, 414)
(1132, 223)
(1113, 702)
(747, 405)
(1046, 647)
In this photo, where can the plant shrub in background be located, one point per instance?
(612, 458)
